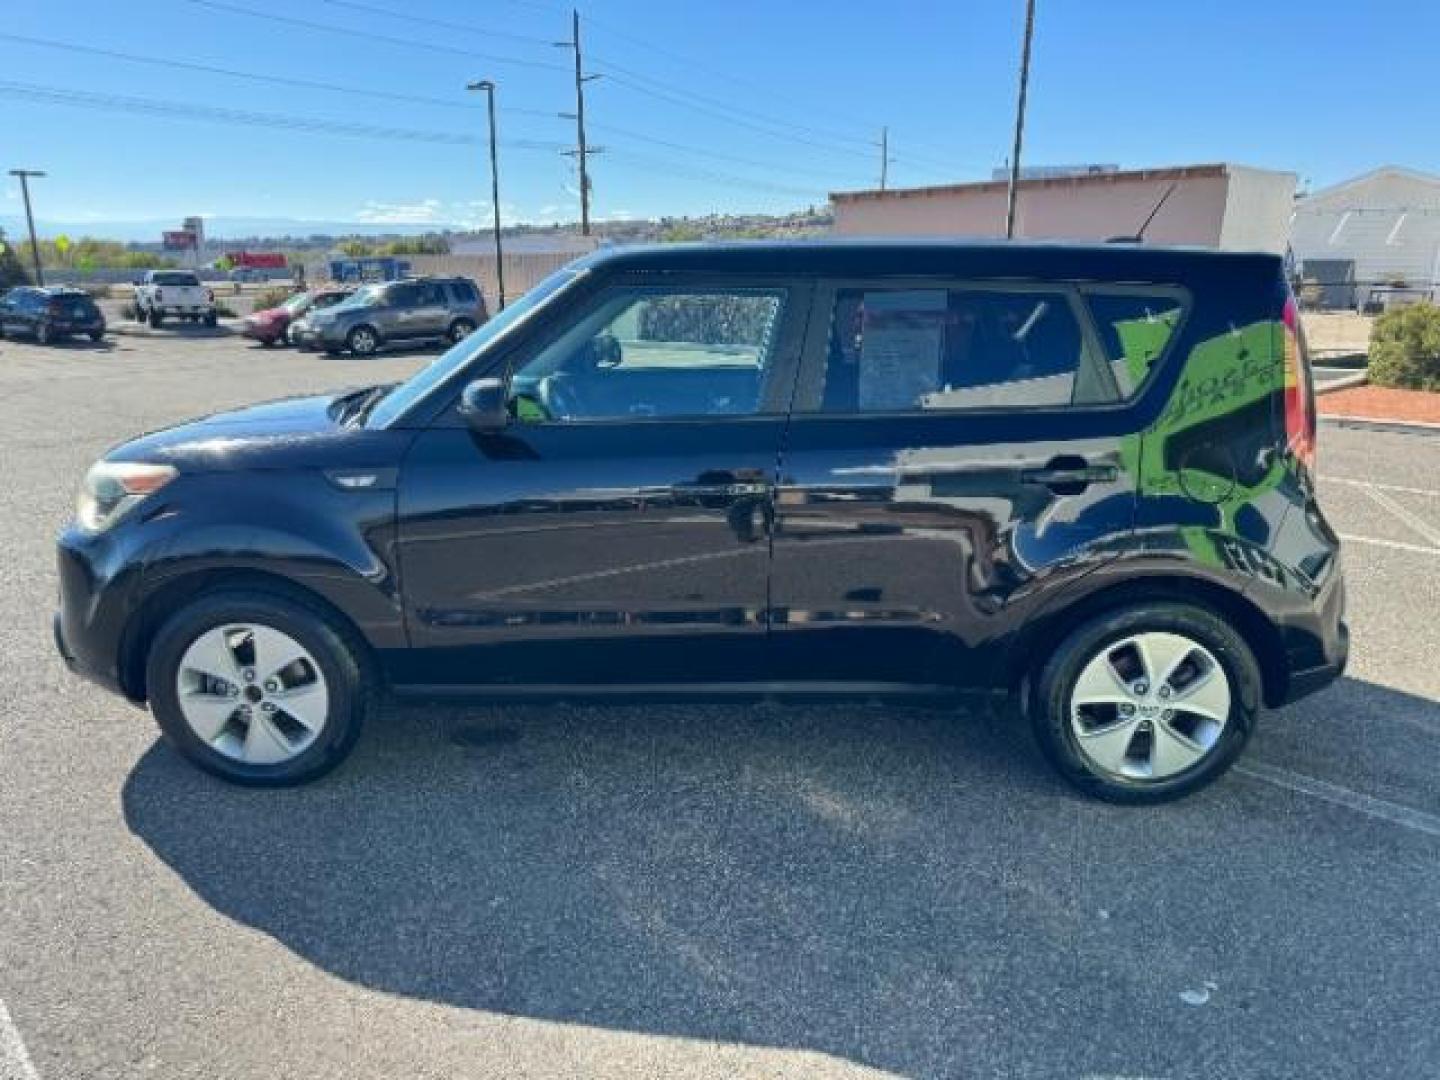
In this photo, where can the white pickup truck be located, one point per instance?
(163, 294)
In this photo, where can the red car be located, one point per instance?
(272, 325)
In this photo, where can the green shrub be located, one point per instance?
(1405, 348)
(223, 310)
(270, 298)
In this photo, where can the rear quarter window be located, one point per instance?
(1135, 331)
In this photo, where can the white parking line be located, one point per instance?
(1408, 516)
(1398, 545)
(15, 1063)
(1383, 487)
(1384, 810)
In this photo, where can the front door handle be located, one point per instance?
(1069, 475)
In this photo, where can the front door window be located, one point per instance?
(641, 353)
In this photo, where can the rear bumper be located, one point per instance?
(1317, 641)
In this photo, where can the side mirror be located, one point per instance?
(483, 404)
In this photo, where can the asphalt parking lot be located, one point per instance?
(697, 891)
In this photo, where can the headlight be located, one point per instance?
(113, 488)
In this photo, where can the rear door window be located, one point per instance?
(967, 346)
(176, 280)
(1135, 329)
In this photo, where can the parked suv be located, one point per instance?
(1084, 475)
(50, 314)
(415, 309)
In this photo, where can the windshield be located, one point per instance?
(296, 302)
(458, 356)
(363, 296)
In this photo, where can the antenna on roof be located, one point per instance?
(1139, 237)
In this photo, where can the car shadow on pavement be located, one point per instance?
(906, 888)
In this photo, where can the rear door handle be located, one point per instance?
(1069, 475)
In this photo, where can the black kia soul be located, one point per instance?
(1084, 474)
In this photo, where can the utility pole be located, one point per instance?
(489, 87)
(884, 156)
(1019, 120)
(582, 151)
(25, 175)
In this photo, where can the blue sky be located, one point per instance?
(733, 106)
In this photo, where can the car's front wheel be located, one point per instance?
(459, 330)
(258, 689)
(1147, 703)
(362, 341)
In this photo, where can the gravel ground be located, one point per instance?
(701, 891)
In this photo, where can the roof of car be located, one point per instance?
(921, 256)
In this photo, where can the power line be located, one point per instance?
(720, 109)
(697, 173)
(444, 24)
(691, 64)
(277, 80)
(700, 150)
(155, 107)
(372, 36)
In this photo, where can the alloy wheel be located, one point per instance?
(1149, 706)
(252, 693)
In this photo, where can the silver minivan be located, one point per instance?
(415, 309)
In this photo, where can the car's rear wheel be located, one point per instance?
(258, 689)
(459, 330)
(210, 319)
(1147, 703)
(96, 335)
(362, 341)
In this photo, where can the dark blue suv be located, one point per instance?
(49, 315)
(1084, 475)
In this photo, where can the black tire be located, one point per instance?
(459, 330)
(337, 652)
(363, 340)
(1051, 686)
(96, 335)
(210, 319)
(156, 319)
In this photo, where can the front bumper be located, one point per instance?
(262, 331)
(308, 337)
(97, 583)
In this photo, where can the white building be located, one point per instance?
(1373, 240)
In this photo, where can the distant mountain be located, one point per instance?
(216, 228)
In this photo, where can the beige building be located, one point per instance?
(1222, 206)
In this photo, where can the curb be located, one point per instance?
(1344, 383)
(1372, 423)
(180, 331)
